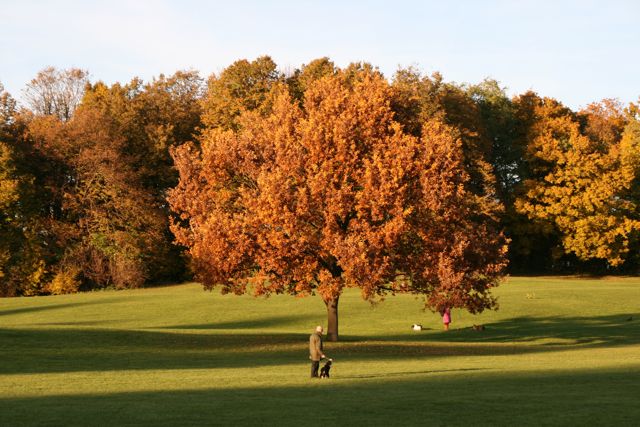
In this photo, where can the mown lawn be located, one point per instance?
(559, 351)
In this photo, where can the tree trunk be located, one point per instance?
(332, 319)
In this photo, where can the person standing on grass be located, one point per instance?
(446, 317)
(315, 351)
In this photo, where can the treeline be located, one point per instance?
(85, 170)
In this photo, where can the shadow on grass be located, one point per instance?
(85, 349)
(557, 398)
(35, 309)
(265, 322)
(405, 374)
(73, 350)
(620, 329)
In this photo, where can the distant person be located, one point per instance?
(315, 351)
(446, 317)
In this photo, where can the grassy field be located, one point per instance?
(559, 351)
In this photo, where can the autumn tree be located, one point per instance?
(303, 77)
(56, 92)
(418, 98)
(9, 195)
(312, 200)
(583, 172)
(242, 86)
(101, 216)
(148, 119)
(151, 117)
(85, 183)
(603, 122)
(21, 263)
(24, 242)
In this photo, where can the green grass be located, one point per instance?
(559, 351)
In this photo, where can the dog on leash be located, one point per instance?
(324, 372)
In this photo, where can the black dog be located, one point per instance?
(324, 372)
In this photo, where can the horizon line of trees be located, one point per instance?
(91, 174)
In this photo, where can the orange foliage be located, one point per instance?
(313, 200)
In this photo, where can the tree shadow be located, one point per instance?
(38, 308)
(89, 349)
(265, 322)
(611, 330)
(601, 397)
(221, 345)
(76, 350)
(406, 373)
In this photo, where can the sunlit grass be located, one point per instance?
(558, 351)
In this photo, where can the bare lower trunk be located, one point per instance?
(332, 319)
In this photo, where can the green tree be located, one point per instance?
(500, 128)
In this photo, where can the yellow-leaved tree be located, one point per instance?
(583, 172)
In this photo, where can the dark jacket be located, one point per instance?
(315, 347)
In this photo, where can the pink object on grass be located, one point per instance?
(446, 317)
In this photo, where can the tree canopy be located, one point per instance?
(583, 179)
(335, 194)
(309, 181)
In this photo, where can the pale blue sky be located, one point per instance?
(575, 51)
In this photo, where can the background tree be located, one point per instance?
(582, 180)
(418, 98)
(85, 174)
(603, 122)
(303, 77)
(86, 193)
(24, 241)
(242, 86)
(56, 92)
(149, 119)
(314, 200)
(22, 258)
(106, 224)
(499, 125)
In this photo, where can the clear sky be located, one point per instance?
(575, 51)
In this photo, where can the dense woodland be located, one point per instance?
(125, 185)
